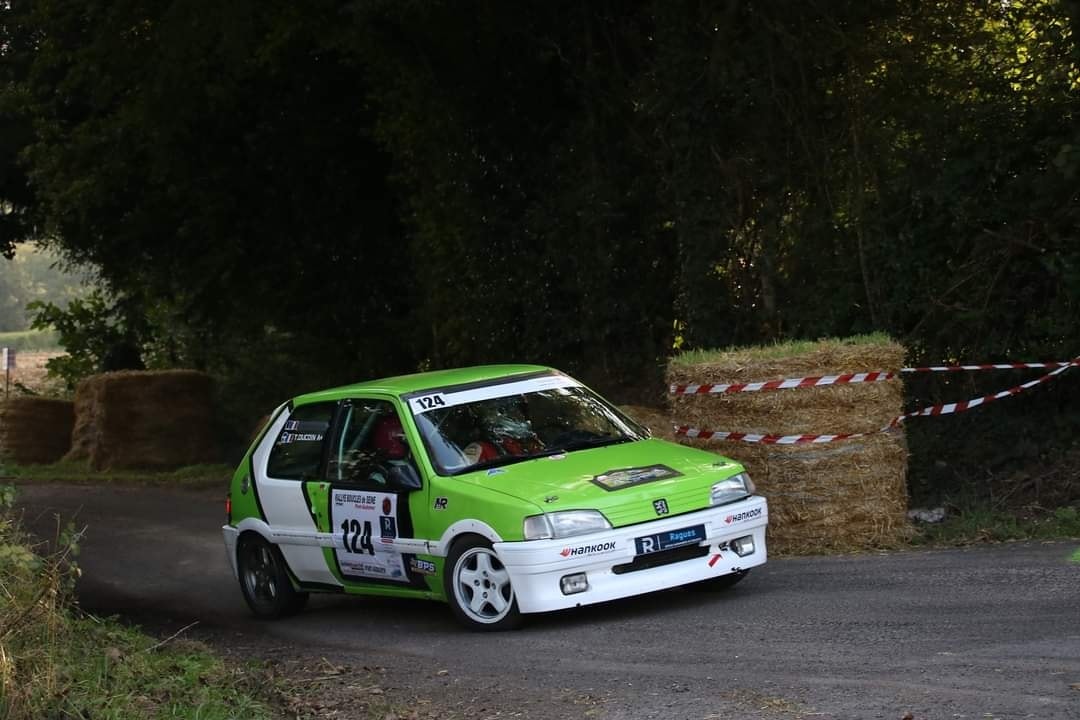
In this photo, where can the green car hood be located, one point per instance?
(651, 470)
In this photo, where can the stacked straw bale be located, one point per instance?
(136, 419)
(658, 421)
(35, 430)
(845, 495)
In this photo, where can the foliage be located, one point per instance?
(33, 274)
(89, 331)
(58, 662)
(982, 524)
(295, 196)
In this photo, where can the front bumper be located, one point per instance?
(614, 570)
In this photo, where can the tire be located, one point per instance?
(716, 584)
(478, 587)
(264, 581)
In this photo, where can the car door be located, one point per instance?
(287, 466)
(373, 485)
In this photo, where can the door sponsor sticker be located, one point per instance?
(629, 477)
(366, 526)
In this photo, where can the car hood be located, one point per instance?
(622, 481)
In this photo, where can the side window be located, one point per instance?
(298, 449)
(371, 450)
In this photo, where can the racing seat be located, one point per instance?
(388, 438)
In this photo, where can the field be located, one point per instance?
(27, 340)
(30, 373)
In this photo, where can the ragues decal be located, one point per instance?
(628, 477)
(358, 518)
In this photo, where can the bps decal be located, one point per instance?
(422, 567)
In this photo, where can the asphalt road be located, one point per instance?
(985, 632)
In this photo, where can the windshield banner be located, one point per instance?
(439, 400)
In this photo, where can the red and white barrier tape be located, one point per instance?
(848, 378)
(995, 366)
(929, 411)
(781, 384)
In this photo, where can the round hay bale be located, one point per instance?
(846, 495)
(35, 430)
(138, 419)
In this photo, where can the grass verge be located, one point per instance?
(978, 525)
(56, 662)
(193, 476)
(30, 340)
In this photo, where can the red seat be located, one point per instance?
(388, 437)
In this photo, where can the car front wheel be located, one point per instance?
(265, 581)
(478, 587)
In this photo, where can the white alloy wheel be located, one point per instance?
(480, 589)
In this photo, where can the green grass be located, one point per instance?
(987, 525)
(193, 476)
(777, 350)
(57, 662)
(30, 340)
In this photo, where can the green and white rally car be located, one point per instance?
(501, 490)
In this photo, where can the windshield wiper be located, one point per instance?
(494, 462)
(586, 444)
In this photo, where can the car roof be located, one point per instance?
(416, 382)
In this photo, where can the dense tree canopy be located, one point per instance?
(294, 194)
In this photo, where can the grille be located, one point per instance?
(664, 557)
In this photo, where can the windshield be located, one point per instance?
(463, 434)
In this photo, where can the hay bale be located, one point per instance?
(35, 430)
(137, 419)
(656, 420)
(847, 495)
(843, 496)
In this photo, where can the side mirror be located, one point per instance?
(403, 477)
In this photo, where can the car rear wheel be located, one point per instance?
(265, 581)
(719, 583)
(478, 587)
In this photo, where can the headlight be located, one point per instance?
(734, 488)
(565, 523)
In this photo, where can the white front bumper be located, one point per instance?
(537, 566)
